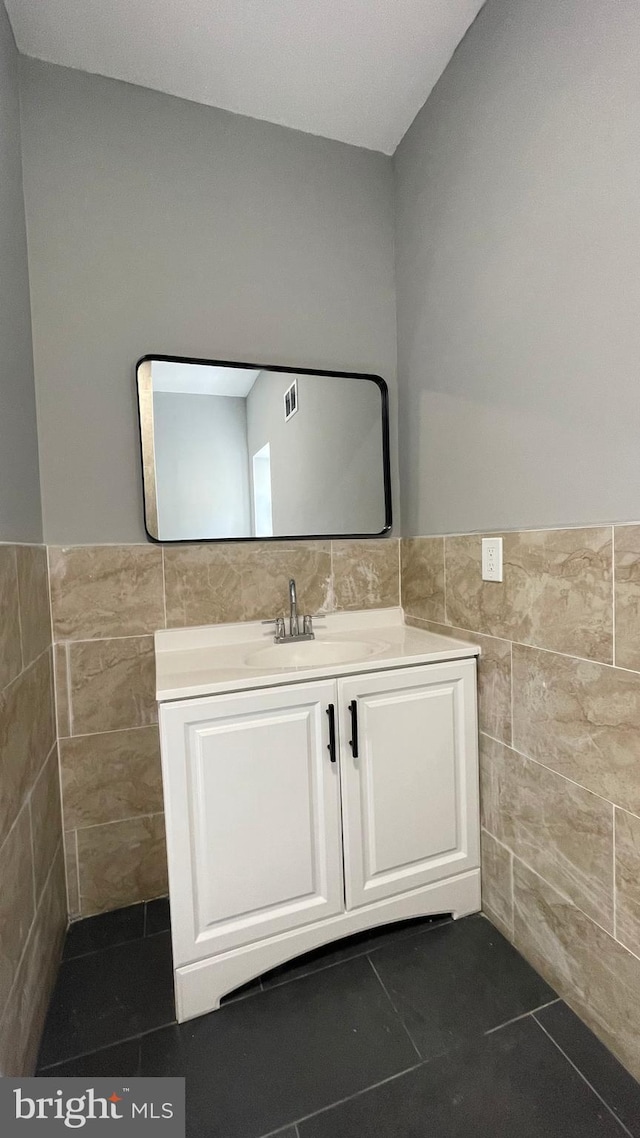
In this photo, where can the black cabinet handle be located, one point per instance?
(353, 741)
(331, 712)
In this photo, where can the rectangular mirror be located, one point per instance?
(234, 451)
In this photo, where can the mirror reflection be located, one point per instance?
(233, 451)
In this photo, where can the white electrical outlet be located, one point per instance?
(492, 559)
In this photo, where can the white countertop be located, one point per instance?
(222, 657)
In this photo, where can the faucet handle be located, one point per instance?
(278, 621)
(307, 625)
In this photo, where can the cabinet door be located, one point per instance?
(410, 796)
(253, 816)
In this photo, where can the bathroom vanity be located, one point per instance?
(312, 790)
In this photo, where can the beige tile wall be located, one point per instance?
(107, 601)
(33, 913)
(559, 709)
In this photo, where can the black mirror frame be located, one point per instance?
(386, 459)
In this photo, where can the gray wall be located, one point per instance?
(158, 225)
(518, 254)
(202, 466)
(20, 518)
(326, 460)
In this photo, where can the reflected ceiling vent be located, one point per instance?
(291, 400)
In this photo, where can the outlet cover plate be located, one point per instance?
(492, 559)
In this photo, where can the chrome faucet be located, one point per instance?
(281, 636)
(293, 609)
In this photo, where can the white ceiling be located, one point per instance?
(202, 379)
(353, 70)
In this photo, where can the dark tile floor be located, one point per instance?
(431, 1029)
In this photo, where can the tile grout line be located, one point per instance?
(26, 801)
(532, 647)
(609, 932)
(115, 1043)
(511, 731)
(109, 947)
(26, 669)
(565, 896)
(67, 680)
(408, 935)
(552, 770)
(30, 932)
(116, 822)
(20, 631)
(513, 895)
(396, 1012)
(348, 1098)
(33, 850)
(116, 636)
(24, 805)
(77, 856)
(525, 1015)
(111, 731)
(615, 890)
(583, 1077)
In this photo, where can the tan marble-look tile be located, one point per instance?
(627, 595)
(628, 880)
(71, 871)
(558, 829)
(497, 893)
(33, 589)
(366, 574)
(46, 820)
(580, 718)
(109, 777)
(595, 974)
(556, 592)
(10, 649)
(112, 684)
(27, 734)
(494, 676)
(23, 1020)
(17, 902)
(422, 577)
(224, 583)
(61, 683)
(121, 863)
(106, 590)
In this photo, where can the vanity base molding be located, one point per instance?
(199, 987)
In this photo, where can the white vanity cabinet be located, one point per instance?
(304, 812)
(409, 794)
(253, 816)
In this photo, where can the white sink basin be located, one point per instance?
(313, 653)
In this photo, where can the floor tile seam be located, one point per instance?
(112, 912)
(341, 1102)
(104, 948)
(348, 959)
(582, 1076)
(523, 1015)
(395, 1010)
(365, 1090)
(117, 944)
(140, 1035)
